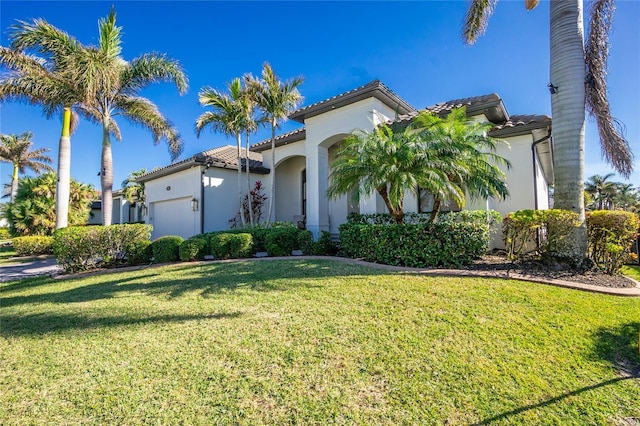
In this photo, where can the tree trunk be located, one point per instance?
(63, 184)
(396, 213)
(242, 219)
(437, 204)
(272, 195)
(568, 111)
(249, 197)
(106, 174)
(14, 182)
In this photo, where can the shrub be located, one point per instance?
(557, 226)
(281, 240)
(416, 245)
(305, 242)
(139, 252)
(4, 233)
(166, 249)
(325, 245)
(491, 217)
(519, 232)
(240, 245)
(32, 245)
(611, 234)
(192, 249)
(220, 245)
(82, 248)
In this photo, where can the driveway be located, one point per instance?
(29, 269)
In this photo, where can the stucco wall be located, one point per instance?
(289, 188)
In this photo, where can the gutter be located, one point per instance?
(535, 178)
(202, 198)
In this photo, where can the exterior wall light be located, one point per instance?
(553, 89)
(194, 204)
(144, 210)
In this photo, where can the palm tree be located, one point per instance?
(54, 81)
(598, 186)
(227, 118)
(627, 197)
(276, 100)
(391, 163)
(467, 155)
(131, 189)
(113, 90)
(15, 149)
(577, 79)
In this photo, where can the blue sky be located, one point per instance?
(414, 48)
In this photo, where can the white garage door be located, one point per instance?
(173, 217)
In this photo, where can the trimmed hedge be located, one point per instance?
(611, 234)
(166, 249)
(4, 233)
(195, 248)
(33, 245)
(416, 245)
(234, 245)
(490, 217)
(282, 241)
(80, 248)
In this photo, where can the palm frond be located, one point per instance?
(152, 68)
(615, 148)
(477, 19)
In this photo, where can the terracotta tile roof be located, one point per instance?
(283, 139)
(445, 107)
(224, 157)
(373, 88)
(517, 123)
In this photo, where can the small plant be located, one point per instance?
(167, 249)
(257, 202)
(282, 240)
(240, 245)
(220, 245)
(4, 233)
(325, 246)
(33, 245)
(139, 252)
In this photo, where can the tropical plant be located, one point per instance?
(468, 154)
(600, 188)
(15, 149)
(33, 210)
(227, 118)
(578, 78)
(54, 80)
(132, 190)
(276, 100)
(114, 91)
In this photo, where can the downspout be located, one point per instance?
(535, 178)
(207, 165)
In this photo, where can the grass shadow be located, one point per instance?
(618, 346)
(39, 324)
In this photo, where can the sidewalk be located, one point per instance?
(32, 268)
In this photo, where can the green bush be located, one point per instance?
(195, 248)
(519, 231)
(416, 245)
(4, 233)
(305, 242)
(240, 245)
(281, 241)
(166, 249)
(220, 242)
(325, 246)
(139, 252)
(557, 226)
(491, 217)
(33, 245)
(80, 248)
(610, 235)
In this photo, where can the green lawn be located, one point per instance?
(632, 271)
(312, 342)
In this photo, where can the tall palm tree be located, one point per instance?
(15, 149)
(227, 118)
(466, 153)
(577, 79)
(627, 197)
(597, 186)
(113, 90)
(53, 80)
(276, 100)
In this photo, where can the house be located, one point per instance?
(303, 158)
(123, 210)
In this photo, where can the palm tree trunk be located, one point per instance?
(272, 195)
(63, 185)
(246, 165)
(437, 205)
(242, 218)
(397, 214)
(106, 174)
(14, 182)
(568, 111)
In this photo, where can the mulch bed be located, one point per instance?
(533, 268)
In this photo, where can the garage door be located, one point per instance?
(173, 217)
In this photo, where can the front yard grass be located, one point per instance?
(312, 342)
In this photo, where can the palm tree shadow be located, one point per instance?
(619, 346)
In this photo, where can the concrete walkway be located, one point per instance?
(48, 266)
(29, 269)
